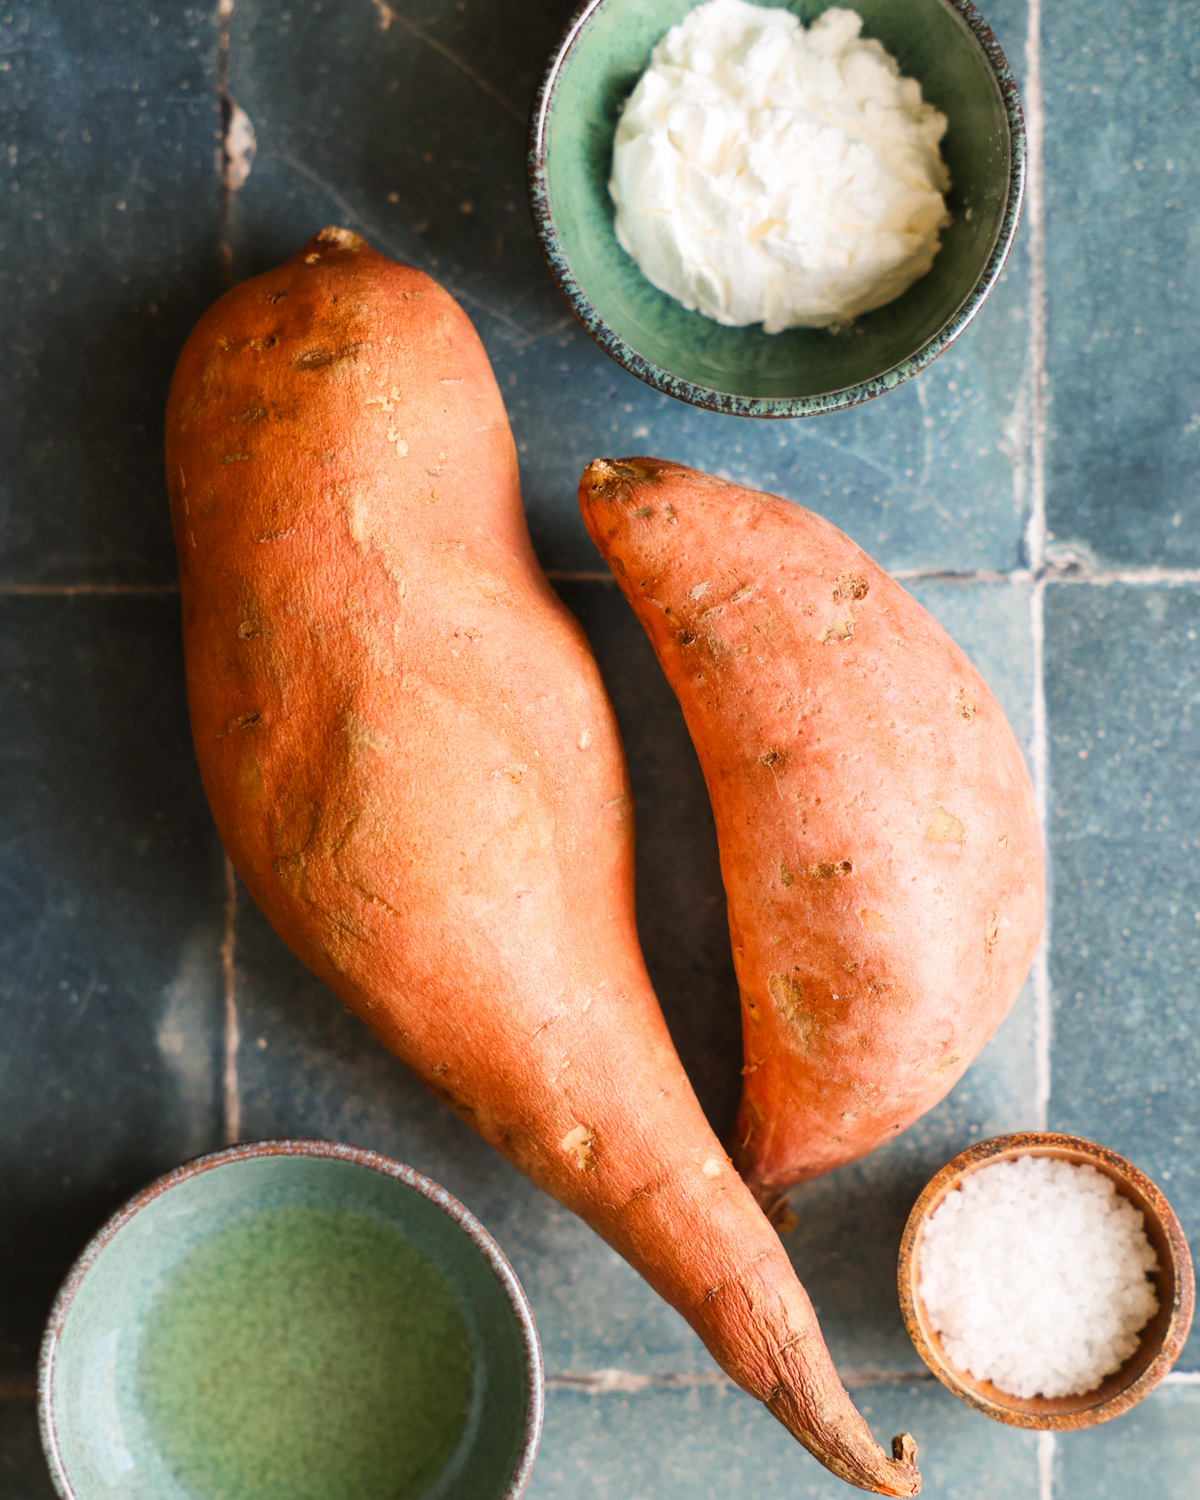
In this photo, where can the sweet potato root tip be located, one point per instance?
(610, 478)
(340, 239)
(904, 1449)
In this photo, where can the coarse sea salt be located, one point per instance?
(1035, 1274)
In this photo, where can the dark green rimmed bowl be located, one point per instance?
(98, 1426)
(945, 44)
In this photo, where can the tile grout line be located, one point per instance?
(1039, 757)
(1045, 573)
(565, 575)
(1018, 577)
(1035, 535)
(231, 1031)
(225, 110)
(1035, 548)
(627, 1383)
(1169, 577)
(1047, 1450)
(611, 1382)
(230, 182)
(95, 590)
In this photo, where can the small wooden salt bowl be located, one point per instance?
(1161, 1339)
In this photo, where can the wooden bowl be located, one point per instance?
(1161, 1339)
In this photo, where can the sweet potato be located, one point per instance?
(879, 847)
(414, 767)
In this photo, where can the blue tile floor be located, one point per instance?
(1038, 488)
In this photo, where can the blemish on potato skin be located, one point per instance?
(610, 478)
(850, 586)
(324, 359)
(250, 777)
(875, 921)
(579, 1142)
(362, 738)
(243, 721)
(839, 629)
(357, 512)
(831, 869)
(945, 828)
(788, 997)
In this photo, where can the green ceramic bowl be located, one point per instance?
(385, 1306)
(942, 43)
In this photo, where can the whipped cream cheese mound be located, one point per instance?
(765, 173)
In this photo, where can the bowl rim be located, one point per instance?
(1047, 1143)
(363, 1156)
(728, 403)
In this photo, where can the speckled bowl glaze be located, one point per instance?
(1161, 1339)
(945, 44)
(95, 1436)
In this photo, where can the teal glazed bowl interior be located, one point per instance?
(944, 44)
(212, 1307)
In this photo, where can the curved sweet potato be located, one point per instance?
(415, 769)
(879, 847)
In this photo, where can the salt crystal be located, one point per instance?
(1035, 1274)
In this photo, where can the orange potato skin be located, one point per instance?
(414, 767)
(879, 845)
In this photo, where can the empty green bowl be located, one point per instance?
(944, 44)
(291, 1320)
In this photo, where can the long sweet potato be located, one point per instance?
(879, 847)
(415, 769)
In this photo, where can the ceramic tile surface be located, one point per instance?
(23, 1473)
(110, 922)
(150, 150)
(1155, 1450)
(1122, 223)
(109, 252)
(710, 1444)
(1123, 695)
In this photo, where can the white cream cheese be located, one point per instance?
(765, 173)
